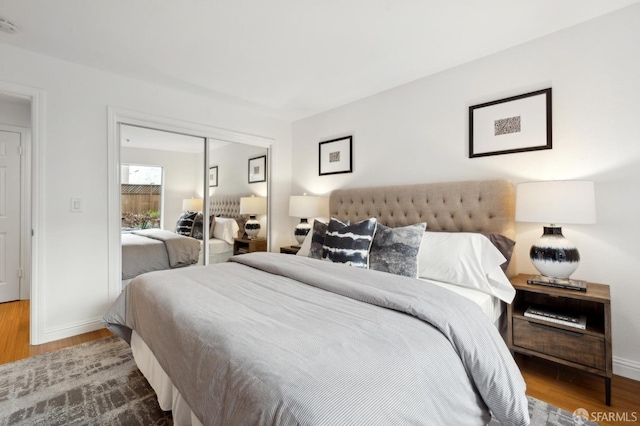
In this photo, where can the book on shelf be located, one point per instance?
(556, 316)
(567, 283)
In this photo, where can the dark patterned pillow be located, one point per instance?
(198, 227)
(318, 233)
(395, 250)
(350, 244)
(184, 226)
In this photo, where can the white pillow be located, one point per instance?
(466, 259)
(226, 229)
(306, 245)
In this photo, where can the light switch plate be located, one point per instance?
(76, 205)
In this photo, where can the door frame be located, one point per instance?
(117, 116)
(33, 202)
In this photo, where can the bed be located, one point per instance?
(269, 338)
(148, 250)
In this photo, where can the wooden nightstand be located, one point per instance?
(245, 245)
(289, 249)
(588, 350)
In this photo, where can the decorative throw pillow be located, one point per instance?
(350, 244)
(198, 227)
(318, 233)
(395, 250)
(184, 226)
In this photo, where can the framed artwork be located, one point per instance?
(517, 124)
(213, 176)
(335, 156)
(258, 169)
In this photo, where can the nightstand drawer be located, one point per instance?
(571, 346)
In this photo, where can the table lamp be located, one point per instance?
(252, 206)
(555, 202)
(304, 207)
(192, 205)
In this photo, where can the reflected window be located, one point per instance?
(140, 196)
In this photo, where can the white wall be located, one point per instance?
(75, 265)
(182, 178)
(233, 167)
(15, 112)
(419, 133)
(233, 179)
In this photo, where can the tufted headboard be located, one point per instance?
(227, 206)
(468, 206)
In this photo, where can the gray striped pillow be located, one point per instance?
(349, 244)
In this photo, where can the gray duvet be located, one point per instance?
(156, 249)
(271, 339)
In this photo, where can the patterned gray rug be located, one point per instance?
(98, 383)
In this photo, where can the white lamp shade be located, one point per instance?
(556, 202)
(253, 205)
(192, 205)
(306, 206)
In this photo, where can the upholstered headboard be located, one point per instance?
(227, 206)
(468, 206)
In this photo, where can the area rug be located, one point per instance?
(98, 383)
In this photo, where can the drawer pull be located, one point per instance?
(557, 330)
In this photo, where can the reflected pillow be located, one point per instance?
(349, 243)
(198, 227)
(395, 250)
(184, 225)
(226, 229)
(466, 259)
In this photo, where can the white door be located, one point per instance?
(9, 215)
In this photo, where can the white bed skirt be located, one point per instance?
(169, 398)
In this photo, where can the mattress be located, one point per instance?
(492, 307)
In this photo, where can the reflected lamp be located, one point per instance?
(252, 206)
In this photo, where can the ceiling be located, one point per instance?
(145, 138)
(285, 58)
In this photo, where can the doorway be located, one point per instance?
(21, 115)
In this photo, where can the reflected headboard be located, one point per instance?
(467, 206)
(228, 206)
(225, 206)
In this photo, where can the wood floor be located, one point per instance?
(558, 385)
(14, 334)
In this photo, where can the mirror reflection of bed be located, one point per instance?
(163, 181)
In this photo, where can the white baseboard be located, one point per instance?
(73, 329)
(626, 368)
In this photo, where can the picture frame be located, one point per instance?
(517, 124)
(258, 169)
(213, 176)
(335, 156)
